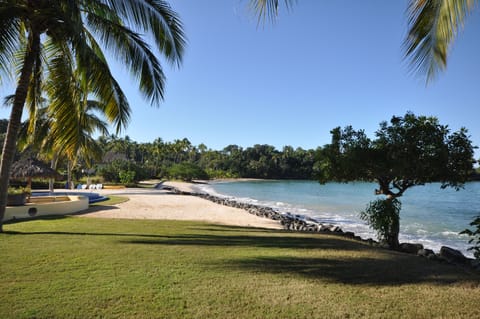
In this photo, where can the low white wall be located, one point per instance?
(74, 205)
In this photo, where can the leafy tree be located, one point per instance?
(110, 171)
(41, 35)
(384, 217)
(126, 177)
(408, 151)
(475, 234)
(187, 172)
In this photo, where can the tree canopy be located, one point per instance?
(408, 151)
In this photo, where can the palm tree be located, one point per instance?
(43, 35)
(268, 9)
(64, 129)
(433, 25)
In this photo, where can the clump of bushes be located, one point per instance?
(19, 190)
(383, 215)
(187, 172)
(122, 171)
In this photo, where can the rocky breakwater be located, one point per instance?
(301, 223)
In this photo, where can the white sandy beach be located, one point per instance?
(161, 204)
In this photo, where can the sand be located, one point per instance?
(162, 204)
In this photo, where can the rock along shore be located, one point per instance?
(300, 223)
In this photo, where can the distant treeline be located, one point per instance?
(123, 160)
(159, 159)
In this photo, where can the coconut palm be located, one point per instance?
(65, 127)
(40, 36)
(433, 25)
(268, 9)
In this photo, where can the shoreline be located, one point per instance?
(303, 223)
(151, 203)
(174, 200)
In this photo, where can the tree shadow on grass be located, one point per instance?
(234, 237)
(384, 268)
(367, 266)
(393, 270)
(231, 228)
(282, 240)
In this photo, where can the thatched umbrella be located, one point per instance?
(30, 167)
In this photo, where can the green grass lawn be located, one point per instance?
(70, 267)
(112, 200)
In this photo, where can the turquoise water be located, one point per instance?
(430, 215)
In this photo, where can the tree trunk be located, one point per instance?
(394, 228)
(51, 181)
(69, 174)
(10, 144)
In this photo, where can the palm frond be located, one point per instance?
(9, 36)
(8, 100)
(433, 25)
(101, 83)
(268, 9)
(129, 47)
(156, 18)
(34, 99)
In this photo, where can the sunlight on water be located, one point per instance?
(430, 215)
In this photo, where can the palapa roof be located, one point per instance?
(30, 167)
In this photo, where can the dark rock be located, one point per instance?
(334, 228)
(410, 248)
(425, 252)
(325, 228)
(349, 234)
(452, 255)
(475, 263)
(433, 257)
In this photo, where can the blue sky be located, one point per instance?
(322, 65)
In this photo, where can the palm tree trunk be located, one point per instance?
(51, 181)
(10, 144)
(69, 174)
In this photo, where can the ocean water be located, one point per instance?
(430, 215)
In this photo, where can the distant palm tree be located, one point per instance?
(433, 25)
(74, 117)
(52, 141)
(41, 35)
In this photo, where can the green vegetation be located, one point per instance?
(19, 190)
(68, 65)
(407, 152)
(384, 217)
(83, 268)
(432, 28)
(187, 172)
(126, 177)
(112, 200)
(160, 159)
(475, 236)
